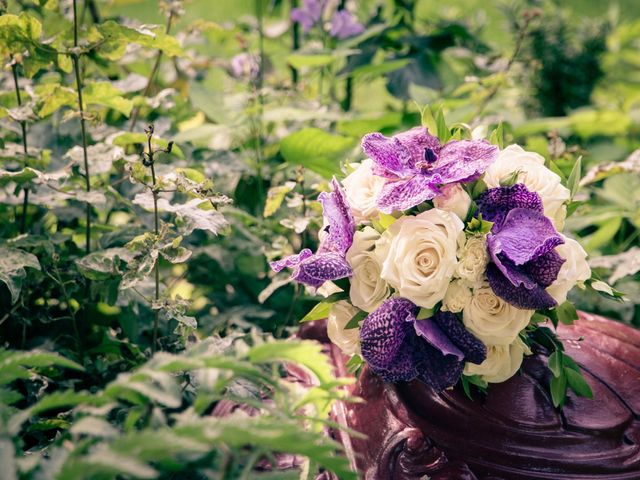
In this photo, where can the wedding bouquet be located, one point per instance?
(447, 260)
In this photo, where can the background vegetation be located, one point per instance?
(154, 157)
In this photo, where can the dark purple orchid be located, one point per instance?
(399, 347)
(344, 24)
(309, 14)
(329, 262)
(522, 246)
(416, 164)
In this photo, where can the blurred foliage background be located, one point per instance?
(124, 357)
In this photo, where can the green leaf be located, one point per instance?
(428, 120)
(316, 150)
(556, 363)
(573, 181)
(319, 312)
(103, 265)
(355, 320)
(306, 353)
(497, 136)
(52, 97)
(566, 313)
(312, 61)
(558, 390)
(444, 134)
(12, 269)
(20, 177)
(372, 71)
(106, 95)
(603, 235)
(125, 139)
(275, 197)
(577, 383)
(116, 37)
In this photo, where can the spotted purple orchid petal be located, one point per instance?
(402, 195)
(329, 262)
(521, 246)
(473, 349)
(344, 25)
(399, 347)
(338, 218)
(433, 334)
(309, 14)
(465, 160)
(415, 165)
(398, 157)
(495, 203)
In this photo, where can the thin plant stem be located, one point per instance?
(295, 41)
(152, 74)
(76, 67)
(259, 85)
(522, 34)
(23, 126)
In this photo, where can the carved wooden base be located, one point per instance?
(515, 432)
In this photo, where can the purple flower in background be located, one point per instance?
(329, 262)
(415, 164)
(309, 14)
(244, 65)
(521, 245)
(399, 347)
(344, 25)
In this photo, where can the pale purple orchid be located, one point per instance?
(329, 262)
(521, 245)
(399, 347)
(309, 14)
(344, 24)
(416, 164)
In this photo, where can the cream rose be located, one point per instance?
(454, 199)
(457, 297)
(368, 289)
(473, 258)
(421, 256)
(502, 362)
(362, 188)
(493, 320)
(575, 269)
(536, 178)
(347, 340)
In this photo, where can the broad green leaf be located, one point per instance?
(275, 197)
(53, 96)
(555, 363)
(577, 383)
(605, 233)
(116, 37)
(316, 150)
(106, 95)
(320, 311)
(20, 177)
(566, 313)
(558, 388)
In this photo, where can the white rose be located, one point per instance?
(575, 269)
(422, 255)
(493, 320)
(473, 258)
(347, 340)
(535, 176)
(502, 362)
(368, 289)
(457, 297)
(453, 199)
(362, 188)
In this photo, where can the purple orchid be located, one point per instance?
(344, 24)
(521, 245)
(399, 347)
(416, 164)
(329, 262)
(309, 14)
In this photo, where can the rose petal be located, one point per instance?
(290, 261)
(431, 332)
(396, 157)
(495, 203)
(339, 220)
(383, 336)
(402, 195)
(465, 160)
(319, 268)
(473, 349)
(524, 236)
(520, 296)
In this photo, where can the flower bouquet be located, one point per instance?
(446, 262)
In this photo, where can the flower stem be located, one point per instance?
(152, 74)
(23, 126)
(76, 67)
